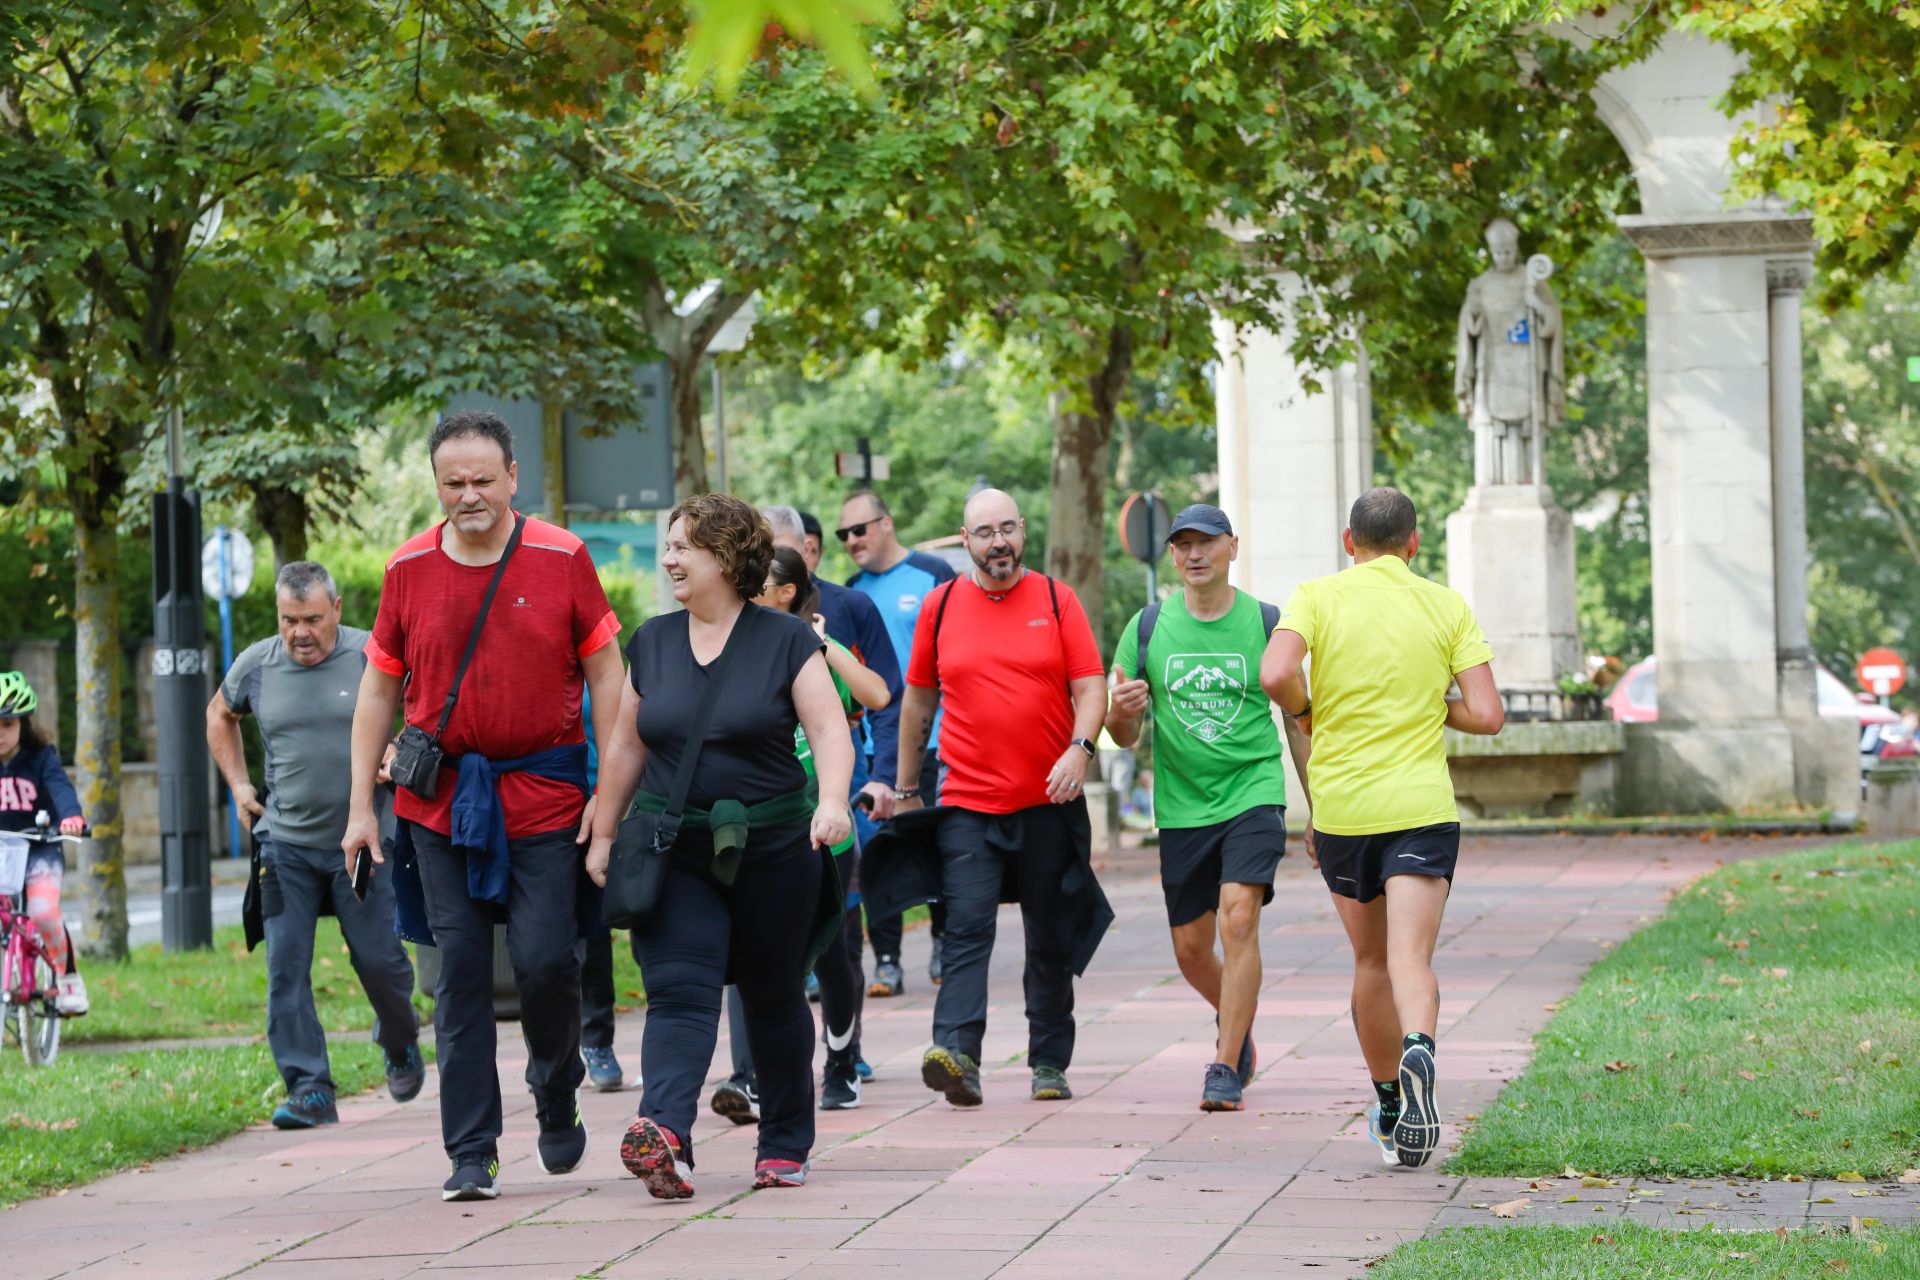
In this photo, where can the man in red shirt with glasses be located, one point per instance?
(1008, 655)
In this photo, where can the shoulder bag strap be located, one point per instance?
(479, 623)
(697, 735)
(939, 615)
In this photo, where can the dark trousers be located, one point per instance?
(843, 994)
(295, 882)
(755, 930)
(541, 933)
(885, 932)
(981, 855)
(596, 992)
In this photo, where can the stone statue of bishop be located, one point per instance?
(1509, 370)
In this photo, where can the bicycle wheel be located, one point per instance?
(39, 1024)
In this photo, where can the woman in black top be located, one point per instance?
(718, 920)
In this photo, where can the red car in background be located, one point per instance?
(1635, 697)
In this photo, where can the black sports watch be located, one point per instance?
(1086, 745)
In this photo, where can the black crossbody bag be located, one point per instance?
(637, 864)
(417, 754)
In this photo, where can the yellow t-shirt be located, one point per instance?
(1385, 645)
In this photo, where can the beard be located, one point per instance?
(1010, 559)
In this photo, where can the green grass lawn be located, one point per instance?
(1627, 1251)
(96, 1111)
(1766, 1025)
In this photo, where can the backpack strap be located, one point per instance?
(1148, 616)
(939, 615)
(1269, 619)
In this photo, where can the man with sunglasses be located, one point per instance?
(1011, 657)
(897, 581)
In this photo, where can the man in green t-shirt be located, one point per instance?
(1219, 786)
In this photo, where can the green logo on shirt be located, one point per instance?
(1206, 690)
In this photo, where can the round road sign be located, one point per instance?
(1144, 521)
(239, 564)
(1881, 672)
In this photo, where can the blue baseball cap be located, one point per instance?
(1203, 519)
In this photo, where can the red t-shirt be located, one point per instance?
(1003, 671)
(522, 690)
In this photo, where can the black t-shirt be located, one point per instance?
(748, 753)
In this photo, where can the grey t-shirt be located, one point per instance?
(306, 721)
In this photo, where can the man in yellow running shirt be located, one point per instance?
(1388, 648)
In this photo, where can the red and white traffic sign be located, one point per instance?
(1881, 672)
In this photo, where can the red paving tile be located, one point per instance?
(1129, 1179)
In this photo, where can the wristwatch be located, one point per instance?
(905, 793)
(1086, 745)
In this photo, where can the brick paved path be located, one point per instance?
(1128, 1180)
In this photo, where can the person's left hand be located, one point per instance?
(586, 821)
(1068, 776)
(1313, 854)
(72, 826)
(820, 625)
(831, 823)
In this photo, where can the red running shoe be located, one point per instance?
(780, 1173)
(652, 1155)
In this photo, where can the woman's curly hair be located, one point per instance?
(737, 535)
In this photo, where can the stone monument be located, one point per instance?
(1510, 548)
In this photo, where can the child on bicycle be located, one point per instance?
(31, 780)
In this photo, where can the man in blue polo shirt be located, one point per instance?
(897, 581)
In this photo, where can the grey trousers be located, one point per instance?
(295, 882)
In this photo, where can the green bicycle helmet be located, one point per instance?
(16, 695)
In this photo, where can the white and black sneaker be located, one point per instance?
(474, 1178)
(840, 1082)
(737, 1100)
(1418, 1133)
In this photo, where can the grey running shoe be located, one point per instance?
(310, 1110)
(474, 1178)
(1050, 1085)
(1249, 1059)
(1418, 1132)
(888, 979)
(603, 1068)
(953, 1074)
(406, 1077)
(737, 1100)
(563, 1137)
(1222, 1089)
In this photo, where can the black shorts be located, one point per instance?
(1196, 861)
(1357, 867)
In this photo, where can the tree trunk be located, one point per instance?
(282, 512)
(1077, 515)
(96, 611)
(689, 441)
(553, 458)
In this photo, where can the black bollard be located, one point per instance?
(180, 711)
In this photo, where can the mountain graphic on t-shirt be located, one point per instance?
(1206, 680)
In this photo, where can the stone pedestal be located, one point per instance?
(1510, 553)
(1893, 801)
(1725, 766)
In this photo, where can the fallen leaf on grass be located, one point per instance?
(1747, 1075)
(1511, 1209)
(1849, 1176)
(1600, 1240)
(1735, 1253)
(1807, 1113)
(1778, 973)
(1910, 1178)
(1615, 1068)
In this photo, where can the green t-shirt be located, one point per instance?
(805, 752)
(1216, 753)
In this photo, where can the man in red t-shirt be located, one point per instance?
(1010, 658)
(548, 631)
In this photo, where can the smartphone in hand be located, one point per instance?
(362, 874)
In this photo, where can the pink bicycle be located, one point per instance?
(28, 980)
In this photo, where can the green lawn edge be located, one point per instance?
(1764, 1026)
(1631, 1251)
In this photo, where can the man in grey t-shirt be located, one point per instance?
(301, 686)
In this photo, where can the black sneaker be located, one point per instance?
(738, 1100)
(1050, 1085)
(952, 1074)
(888, 979)
(563, 1137)
(934, 961)
(310, 1110)
(405, 1077)
(840, 1082)
(1418, 1133)
(474, 1178)
(1222, 1089)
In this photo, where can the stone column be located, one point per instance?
(1794, 651)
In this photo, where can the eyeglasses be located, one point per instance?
(857, 530)
(1006, 529)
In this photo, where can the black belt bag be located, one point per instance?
(637, 864)
(417, 754)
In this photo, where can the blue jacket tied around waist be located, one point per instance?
(478, 829)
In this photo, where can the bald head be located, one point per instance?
(996, 536)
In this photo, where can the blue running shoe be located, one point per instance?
(603, 1069)
(308, 1111)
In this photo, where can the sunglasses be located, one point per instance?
(857, 530)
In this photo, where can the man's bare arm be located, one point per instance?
(1478, 709)
(916, 725)
(230, 757)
